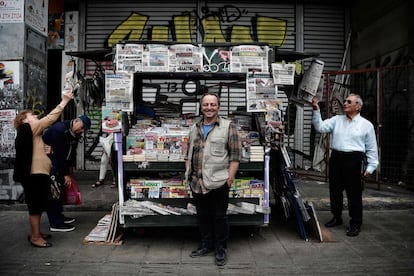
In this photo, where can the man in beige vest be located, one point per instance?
(213, 159)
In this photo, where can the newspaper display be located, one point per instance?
(249, 58)
(309, 85)
(185, 58)
(260, 89)
(283, 74)
(128, 57)
(155, 58)
(118, 90)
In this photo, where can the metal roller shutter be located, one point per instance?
(323, 31)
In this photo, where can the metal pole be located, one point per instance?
(379, 124)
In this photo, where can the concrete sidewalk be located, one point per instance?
(384, 247)
(314, 189)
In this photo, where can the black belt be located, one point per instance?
(348, 153)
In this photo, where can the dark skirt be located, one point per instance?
(37, 193)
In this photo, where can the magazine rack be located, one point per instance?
(129, 169)
(221, 82)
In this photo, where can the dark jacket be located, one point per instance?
(24, 153)
(64, 144)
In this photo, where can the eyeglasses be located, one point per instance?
(348, 102)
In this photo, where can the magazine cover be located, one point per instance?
(111, 119)
(135, 144)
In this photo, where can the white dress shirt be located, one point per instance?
(348, 136)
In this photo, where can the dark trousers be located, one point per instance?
(54, 213)
(345, 174)
(212, 217)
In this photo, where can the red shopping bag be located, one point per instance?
(73, 194)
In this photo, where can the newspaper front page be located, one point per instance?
(249, 58)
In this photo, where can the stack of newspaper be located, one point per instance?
(106, 229)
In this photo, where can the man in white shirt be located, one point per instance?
(353, 139)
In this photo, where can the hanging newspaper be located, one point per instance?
(249, 58)
(118, 90)
(185, 58)
(283, 73)
(260, 89)
(128, 57)
(309, 85)
(155, 58)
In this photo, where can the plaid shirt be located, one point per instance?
(233, 147)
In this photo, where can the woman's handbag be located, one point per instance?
(55, 187)
(73, 194)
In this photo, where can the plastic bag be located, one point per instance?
(73, 194)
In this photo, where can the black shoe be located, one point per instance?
(44, 236)
(220, 257)
(203, 251)
(67, 220)
(43, 245)
(334, 222)
(353, 231)
(62, 228)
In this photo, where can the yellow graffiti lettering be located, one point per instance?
(183, 27)
(35, 103)
(159, 33)
(130, 29)
(212, 30)
(271, 30)
(241, 34)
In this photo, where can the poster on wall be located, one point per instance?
(56, 31)
(11, 11)
(9, 74)
(71, 31)
(11, 91)
(8, 133)
(36, 15)
(260, 90)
